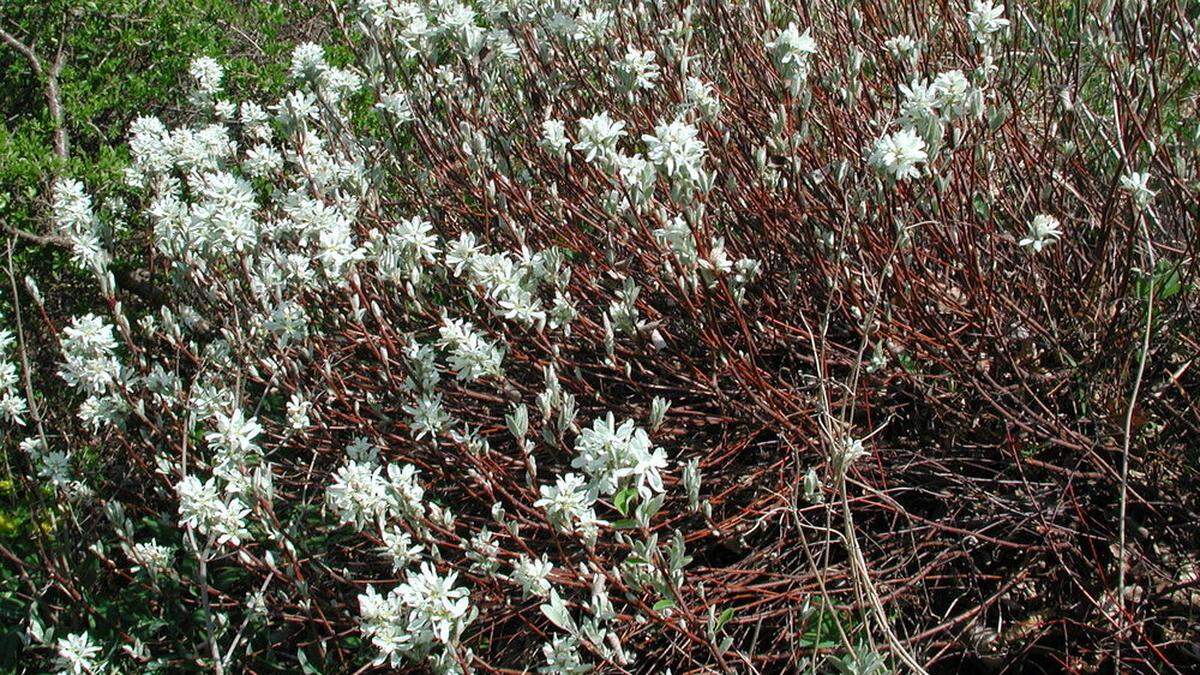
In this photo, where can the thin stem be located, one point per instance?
(1137, 387)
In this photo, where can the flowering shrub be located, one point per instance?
(637, 337)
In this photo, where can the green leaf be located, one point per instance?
(621, 501)
(724, 618)
(665, 603)
(1169, 284)
(306, 667)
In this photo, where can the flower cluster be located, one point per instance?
(638, 69)
(676, 149)
(77, 221)
(421, 619)
(986, 19)
(1137, 184)
(90, 364)
(12, 404)
(1044, 230)
(900, 154)
(77, 654)
(204, 508)
(53, 466)
(793, 52)
(364, 493)
(616, 455)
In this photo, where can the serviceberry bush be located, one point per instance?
(598, 336)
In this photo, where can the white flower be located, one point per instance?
(53, 466)
(422, 614)
(677, 234)
(522, 307)
(639, 69)
(202, 508)
(676, 148)
(792, 51)
(415, 236)
(984, 19)
(533, 575)
(457, 21)
(398, 545)
(899, 154)
(377, 12)
(402, 252)
(225, 110)
(77, 653)
(483, 551)
(297, 412)
(233, 439)
(1138, 186)
(109, 409)
(609, 453)
(598, 136)
(952, 92)
(72, 206)
(591, 26)
(398, 104)
(632, 170)
(203, 149)
(920, 102)
(404, 491)
(703, 96)
(359, 493)
(848, 451)
(87, 347)
(384, 621)
(471, 356)
(308, 61)
(288, 322)
(149, 146)
(1043, 231)
(429, 418)
(152, 557)
(73, 214)
(262, 160)
(645, 469)
(903, 48)
(8, 375)
(462, 252)
(208, 75)
(225, 214)
(565, 501)
(438, 603)
(255, 121)
(502, 45)
(12, 407)
(339, 83)
(422, 365)
(554, 136)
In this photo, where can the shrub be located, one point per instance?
(638, 337)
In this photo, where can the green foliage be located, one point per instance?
(121, 59)
(1165, 280)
